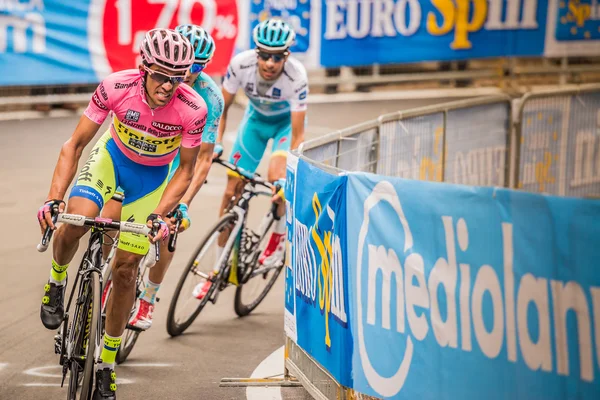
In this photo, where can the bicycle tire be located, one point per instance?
(242, 309)
(173, 327)
(88, 370)
(73, 381)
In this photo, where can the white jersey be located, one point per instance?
(288, 93)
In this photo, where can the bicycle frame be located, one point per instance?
(240, 208)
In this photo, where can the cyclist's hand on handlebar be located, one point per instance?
(47, 211)
(181, 211)
(218, 151)
(159, 226)
(278, 190)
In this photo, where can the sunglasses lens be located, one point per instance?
(195, 68)
(159, 78)
(266, 56)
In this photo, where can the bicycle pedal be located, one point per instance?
(134, 328)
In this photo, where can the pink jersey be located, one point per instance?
(148, 136)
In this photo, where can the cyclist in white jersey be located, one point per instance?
(276, 85)
(204, 49)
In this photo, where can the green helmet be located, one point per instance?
(202, 42)
(273, 34)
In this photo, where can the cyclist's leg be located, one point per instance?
(277, 170)
(95, 184)
(143, 187)
(142, 318)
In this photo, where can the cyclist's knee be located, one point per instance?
(71, 233)
(125, 269)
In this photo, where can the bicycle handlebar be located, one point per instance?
(252, 177)
(98, 222)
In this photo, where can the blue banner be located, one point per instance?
(400, 31)
(294, 12)
(320, 279)
(448, 291)
(44, 42)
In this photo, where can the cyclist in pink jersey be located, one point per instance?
(154, 118)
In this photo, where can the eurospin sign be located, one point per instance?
(451, 291)
(470, 300)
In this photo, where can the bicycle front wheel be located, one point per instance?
(88, 327)
(185, 307)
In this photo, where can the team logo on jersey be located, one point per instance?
(163, 126)
(302, 95)
(132, 115)
(276, 93)
(249, 87)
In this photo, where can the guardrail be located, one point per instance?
(544, 143)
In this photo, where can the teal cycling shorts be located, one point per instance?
(254, 133)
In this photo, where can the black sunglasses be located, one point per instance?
(161, 78)
(277, 58)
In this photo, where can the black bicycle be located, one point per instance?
(78, 341)
(238, 264)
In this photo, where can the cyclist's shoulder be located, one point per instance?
(243, 60)
(295, 70)
(209, 90)
(125, 79)
(188, 103)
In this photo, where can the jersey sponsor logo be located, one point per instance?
(98, 102)
(132, 115)
(276, 93)
(249, 87)
(140, 143)
(201, 121)
(196, 131)
(188, 102)
(120, 85)
(302, 95)
(103, 92)
(163, 126)
(247, 66)
(305, 84)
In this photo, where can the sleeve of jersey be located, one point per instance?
(231, 82)
(196, 123)
(299, 100)
(100, 104)
(215, 110)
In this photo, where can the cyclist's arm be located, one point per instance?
(70, 153)
(203, 164)
(180, 182)
(298, 118)
(228, 99)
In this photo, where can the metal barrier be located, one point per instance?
(558, 143)
(462, 142)
(556, 150)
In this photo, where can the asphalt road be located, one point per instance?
(217, 345)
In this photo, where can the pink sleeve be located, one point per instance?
(100, 104)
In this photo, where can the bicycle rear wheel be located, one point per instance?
(184, 307)
(250, 294)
